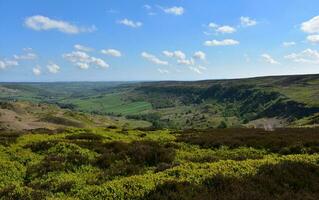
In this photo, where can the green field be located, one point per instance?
(109, 103)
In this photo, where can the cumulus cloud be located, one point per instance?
(180, 56)
(99, 62)
(111, 52)
(43, 23)
(314, 39)
(226, 42)
(307, 56)
(36, 70)
(82, 65)
(83, 48)
(83, 60)
(213, 25)
(267, 58)
(175, 54)
(247, 21)
(53, 68)
(288, 44)
(27, 56)
(163, 71)
(225, 29)
(221, 29)
(174, 10)
(191, 63)
(153, 59)
(186, 61)
(199, 55)
(8, 63)
(311, 26)
(130, 23)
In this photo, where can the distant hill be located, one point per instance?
(263, 101)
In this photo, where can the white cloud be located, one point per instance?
(2, 65)
(288, 44)
(83, 60)
(39, 23)
(147, 7)
(53, 68)
(175, 54)
(308, 56)
(314, 39)
(174, 10)
(8, 63)
(220, 29)
(82, 65)
(225, 29)
(226, 42)
(199, 55)
(153, 59)
(186, 61)
(111, 52)
(168, 54)
(99, 62)
(267, 58)
(77, 56)
(212, 25)
(163, 71)
(83, 48)
(180, 56)
(11, 63)
(311, 26)
(36, 70)
(27, 56)
(130, 23)
(247, 21)
(198, 69)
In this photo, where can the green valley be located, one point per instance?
(217, 139)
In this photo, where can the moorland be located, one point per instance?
(255, 138)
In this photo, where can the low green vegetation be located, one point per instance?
(217, 139)
(117, 163)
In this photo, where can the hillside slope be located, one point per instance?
(262, 101)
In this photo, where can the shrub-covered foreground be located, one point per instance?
(134, 164)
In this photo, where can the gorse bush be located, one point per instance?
(7, 137)
(84, 136)
(272, 181)
(283, 141)
(120, 158)
(61, 157)
(213, 164)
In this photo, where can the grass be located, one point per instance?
(110, 103)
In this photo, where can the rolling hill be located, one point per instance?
(263, 101)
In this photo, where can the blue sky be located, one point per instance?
(117, 40)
